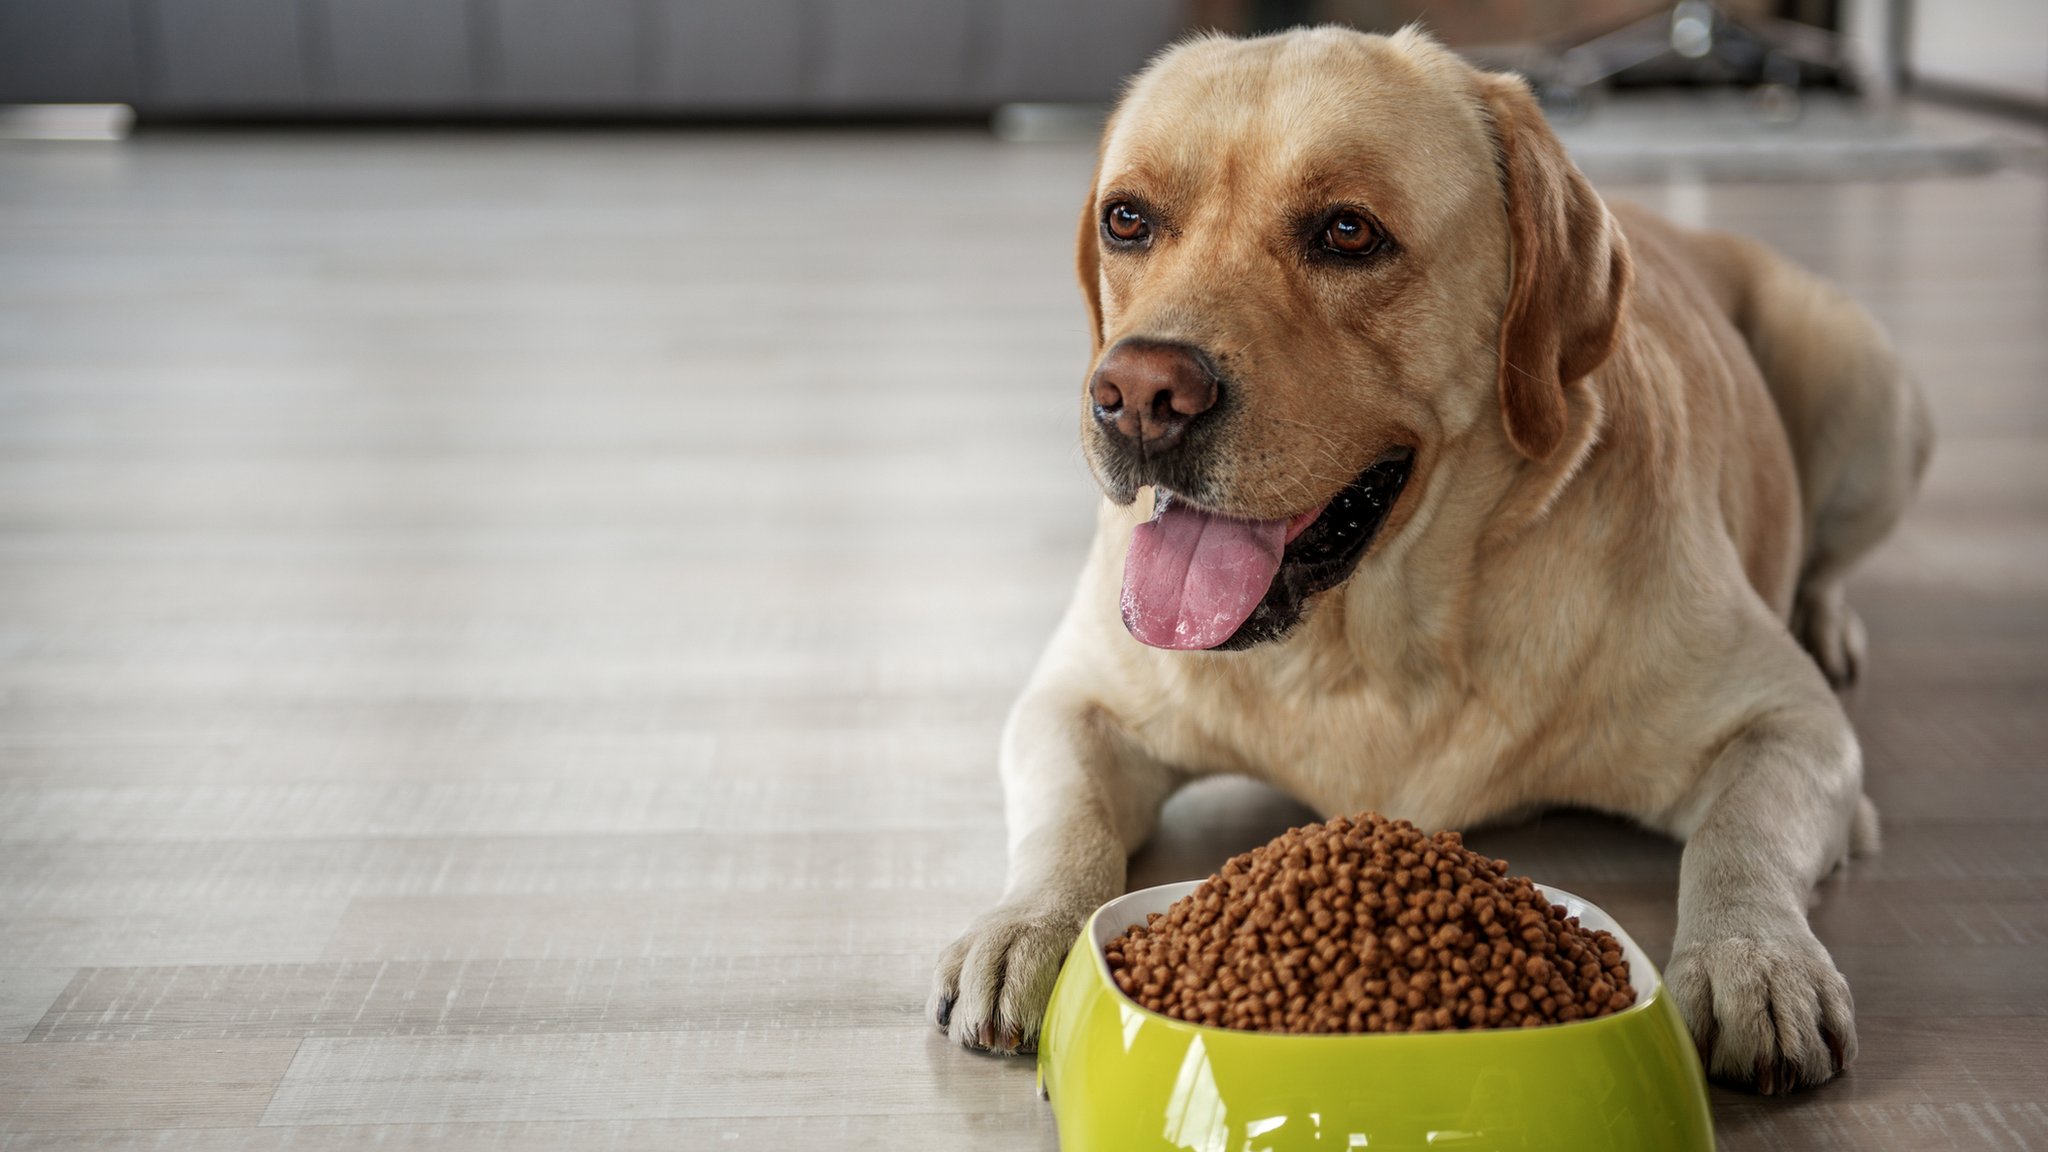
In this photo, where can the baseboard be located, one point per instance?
(1978, 99)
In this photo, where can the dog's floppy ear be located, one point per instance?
(1088, 245)
(1571, 271)
(1088, 265)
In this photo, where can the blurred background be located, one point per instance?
(520, 521)
(522, 59)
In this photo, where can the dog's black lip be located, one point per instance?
(1326, 552)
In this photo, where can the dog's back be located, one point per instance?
(1859, 428)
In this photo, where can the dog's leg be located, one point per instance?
(1858, 425)
(1779, 807)
(1859, 481)
(1078, 801)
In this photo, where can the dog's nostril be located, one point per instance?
(1107, 396)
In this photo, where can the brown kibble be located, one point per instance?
(1368, 925)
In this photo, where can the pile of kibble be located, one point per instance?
(1369, 925)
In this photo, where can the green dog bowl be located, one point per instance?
(1124, 1079)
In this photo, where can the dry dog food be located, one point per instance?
(1369, 925)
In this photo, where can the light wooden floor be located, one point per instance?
(502, 640)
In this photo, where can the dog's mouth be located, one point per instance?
(1195, 579)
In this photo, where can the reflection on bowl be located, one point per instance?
(1125, 1079)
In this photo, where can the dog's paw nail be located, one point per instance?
(945, 1014)
(1766, 1076)
(986, 1036)
(1836, 1048)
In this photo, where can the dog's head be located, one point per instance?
(1324, 268)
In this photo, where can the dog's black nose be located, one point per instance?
(1148, 392)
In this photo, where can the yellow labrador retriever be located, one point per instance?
(1434, 487)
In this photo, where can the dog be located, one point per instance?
(1436, 487)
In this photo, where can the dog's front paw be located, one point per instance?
(991, 986)
(1767, 1009)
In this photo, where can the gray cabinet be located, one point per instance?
(453, 58)
(895, 54)
(748, 55)
(1071, 49)
(68, 51)
(224, 55)
(567, 55)
(401, 56)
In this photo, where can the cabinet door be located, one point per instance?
(882, 55)
(67, 51)
(565, 55)
(224, 55)
(396, 55)
(1073, 49)
(742, 55)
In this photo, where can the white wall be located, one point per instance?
(1999, 47)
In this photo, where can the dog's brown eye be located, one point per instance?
(1125, 222)
(1352, 235)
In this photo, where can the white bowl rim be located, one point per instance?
(1111, 920)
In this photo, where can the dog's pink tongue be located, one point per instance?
(1192, 577)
